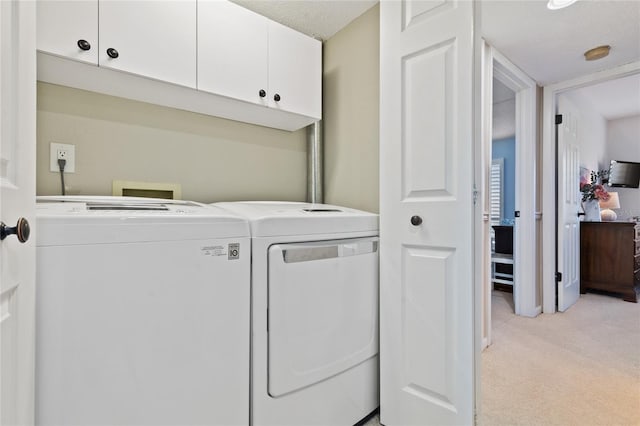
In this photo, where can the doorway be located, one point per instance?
(608, 356)
(502, 191)
(550, 100)
(515, 96)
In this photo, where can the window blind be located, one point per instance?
(496, 186)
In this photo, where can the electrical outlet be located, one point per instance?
(62, 151)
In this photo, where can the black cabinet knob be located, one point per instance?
(276, 97)
(113, 53)
(21, 230)
(84, 45)
(416, 220)
(262, 93)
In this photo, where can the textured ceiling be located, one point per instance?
(549, 45)
(318, 18)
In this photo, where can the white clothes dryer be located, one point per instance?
(314, 313)
(142, 313)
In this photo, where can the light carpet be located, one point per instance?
(580, 367)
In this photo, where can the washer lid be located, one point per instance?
(91, 220)
(286, 218)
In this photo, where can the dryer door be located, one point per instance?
(323, 310)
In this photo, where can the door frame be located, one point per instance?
(549, 182)
(496, 65)
(17, 194)
(526, 188)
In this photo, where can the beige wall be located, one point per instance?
(215, 159)
(118, 139)
(350, 113)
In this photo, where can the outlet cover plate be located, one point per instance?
(70, 153)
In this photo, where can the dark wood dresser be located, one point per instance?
(610, 258)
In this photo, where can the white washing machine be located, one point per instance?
(143, 313)
(314, 313)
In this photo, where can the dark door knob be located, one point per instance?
(84, 45)
(21, 230)
(416, 220)
(276, 97)
(262, 93)
(113, 53)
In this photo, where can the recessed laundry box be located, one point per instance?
(315, 313)
(143, 313)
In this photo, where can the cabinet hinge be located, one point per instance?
(558, 277)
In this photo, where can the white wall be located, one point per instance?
(118, 139)
(623, 143)
(504, 119)
(592, 134)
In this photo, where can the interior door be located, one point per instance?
(17, 199)
(426, 213)
(568, 204)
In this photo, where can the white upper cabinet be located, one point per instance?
(155, 39)
(295, 71)
(244, 66)
(232, 51)
(68, 28)
(246, 56)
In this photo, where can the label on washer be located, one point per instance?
(214, 251)
(231, 251)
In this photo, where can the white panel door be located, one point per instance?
(155, 39)
(69, 29)
(17, 199)
(426, 213)
(232, 51)
(568, 205)
(295, 71)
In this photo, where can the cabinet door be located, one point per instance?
(154, 39)
(63, 24)
(295, 71)
(232, 51)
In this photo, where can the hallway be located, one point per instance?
(580, 367)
